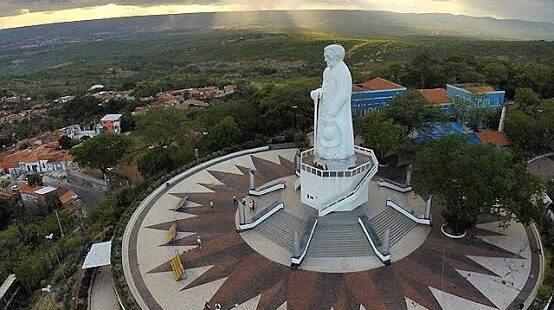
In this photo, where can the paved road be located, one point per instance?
(89, 196)
(102, 296)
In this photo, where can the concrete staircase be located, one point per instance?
(398, 224)
(339, 235)
(279, 228)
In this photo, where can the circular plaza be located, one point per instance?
(244, 260)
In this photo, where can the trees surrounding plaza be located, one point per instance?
(162, 126)
(380, 133)
(474, 179)
(530, 123)
(223, 134)
(101, 152)
(411, 112)
(159, 160)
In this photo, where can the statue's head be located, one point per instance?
(333, 54)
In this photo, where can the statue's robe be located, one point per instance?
(334, 147)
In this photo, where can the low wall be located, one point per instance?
(408, 213)
(382, 251)
(304, 243)
(86, 180)
(402, 188)
(266, 189)
(262, 217)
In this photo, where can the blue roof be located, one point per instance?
(434, 131)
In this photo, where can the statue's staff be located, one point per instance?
(316, 103)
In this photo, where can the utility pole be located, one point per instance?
(294, 107)
(59, 223)
(51, 237)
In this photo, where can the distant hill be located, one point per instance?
(347, 23)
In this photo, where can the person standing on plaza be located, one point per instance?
(199, 242)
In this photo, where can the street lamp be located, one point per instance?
(51, 237)
(294, 107)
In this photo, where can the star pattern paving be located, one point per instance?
(248, 274)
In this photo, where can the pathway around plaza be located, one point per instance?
(102, 295)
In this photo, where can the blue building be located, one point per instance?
(476, 94)
(374, 94)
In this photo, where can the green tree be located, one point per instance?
(472, 112)
(101, 152)
(223, 134)
(474, 179)
(284, 106)
(162, 125)
(529, 123)
(52, 201)
(380, 134)
(127, 122)
(157, 161)
(7, 212)
(411, 112)
(65, 142)
(394, 71)
(425, 70)
(34, 179)
(526, 97)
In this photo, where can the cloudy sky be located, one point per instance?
(17, 13)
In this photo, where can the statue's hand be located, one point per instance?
(316, 94)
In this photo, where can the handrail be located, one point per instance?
(369, 175)
(262, 216)
(408, 213)
(396, 186)
(296, 259)
(267, 188)
(380, 249)
(351, 171)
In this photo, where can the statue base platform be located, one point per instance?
(330, 190)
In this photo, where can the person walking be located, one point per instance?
(235, 201)
(199, 242)
(217, 306)
(212, 204)
(206, 306)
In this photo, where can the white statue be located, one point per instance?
(334, 136)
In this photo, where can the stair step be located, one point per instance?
(279, 228)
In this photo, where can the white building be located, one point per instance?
(112, 123)
(76, 133)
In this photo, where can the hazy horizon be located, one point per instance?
(23, 13)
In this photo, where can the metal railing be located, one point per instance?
(369, 175)
(300, 247)
(408, 213)
(341, 173)
(381, 248)
(262, 216)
